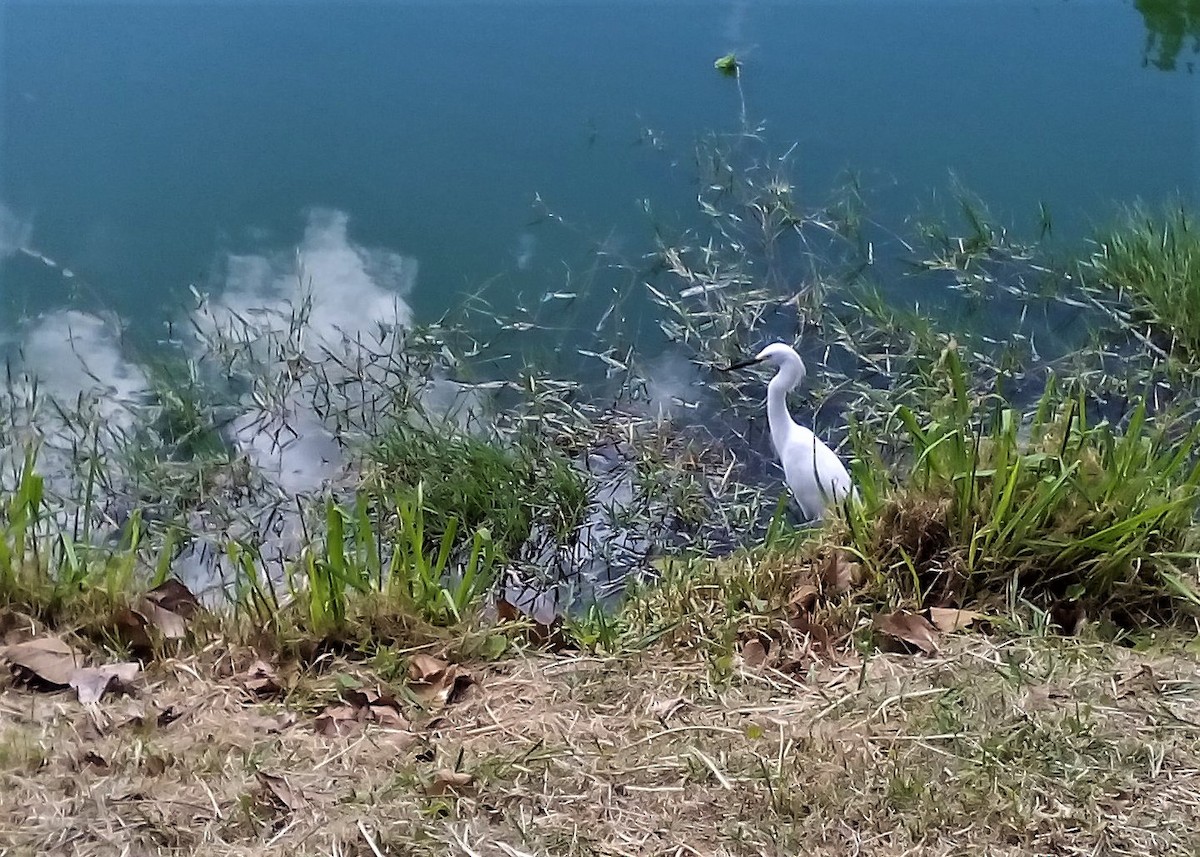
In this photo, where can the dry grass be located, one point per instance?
(1023, 747)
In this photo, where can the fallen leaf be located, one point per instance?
(948, 619)
(261, 681)
(279, 789)
(435, 681)
(90, 683)
(387, 716)
(804, 598)
(338, 720)
(545, 630)
(166, 622)
(820, 640)
(754, 654)
(839, 574)
(367, 698)
(174, 596)
(46, 659)
(451, 782)
(908, 627)
(425, 668)
(132, 628)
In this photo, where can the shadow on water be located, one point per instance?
(1170, 26)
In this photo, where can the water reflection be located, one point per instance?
(1170, 25)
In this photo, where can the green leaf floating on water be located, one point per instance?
(727, 64)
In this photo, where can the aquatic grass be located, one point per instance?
(993, 506)
(470, 482)
(1153, 261)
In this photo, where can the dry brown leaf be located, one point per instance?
(277, 787)
(839, 574)
(804, 598)
(911, 628)
(948, 619)
(389, 717)
(360, 698)
(167, 623)
(173, 596)
(451, 782)
(132, 628)
(436, 682)
(377, 706)
(46, 659)
(163, 612)
(90, 683)
(545, 631)
(338, 720)
(425, 668)
(261, 680)
(820, 639)
(754, 654)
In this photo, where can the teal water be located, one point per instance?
(144, 143)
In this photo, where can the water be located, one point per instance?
(145, 143)
(413, 152)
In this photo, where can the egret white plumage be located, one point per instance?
(813, 472)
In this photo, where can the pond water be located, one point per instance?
(406, 145)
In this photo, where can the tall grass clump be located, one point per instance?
(66, 578)
(356, 578)
(1154, 262)
(1047, 508)
(468, 482)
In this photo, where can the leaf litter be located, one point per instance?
(580, 755)
(50, 663)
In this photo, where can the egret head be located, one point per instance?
(779, 355)
(791, 369)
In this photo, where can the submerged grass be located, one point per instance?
(511, 489)
(1153, 260)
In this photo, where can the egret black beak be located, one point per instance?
(741, 364)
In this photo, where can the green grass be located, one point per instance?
(992, 504)
(478, 483)
(1153, 260)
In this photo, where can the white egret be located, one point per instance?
(813, 472)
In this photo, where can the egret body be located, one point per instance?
(813, 472)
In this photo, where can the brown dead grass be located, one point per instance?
(1025, 747)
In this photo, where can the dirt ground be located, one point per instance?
(1021, 747)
